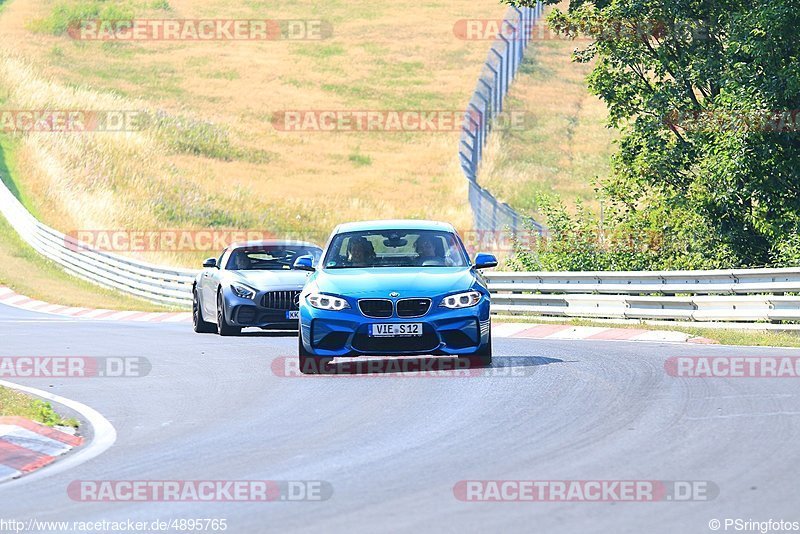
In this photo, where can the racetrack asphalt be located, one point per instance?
(393, 447)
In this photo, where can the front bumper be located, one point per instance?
(345, 333)
(248, 313)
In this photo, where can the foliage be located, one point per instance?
(705, 95)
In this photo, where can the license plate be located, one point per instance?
(295, 314)
(395, 329)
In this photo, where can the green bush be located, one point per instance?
(44, 413)
(787, 252)
(654, 237)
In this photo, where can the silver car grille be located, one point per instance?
(281, 300)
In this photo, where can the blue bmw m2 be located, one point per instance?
(394, 288)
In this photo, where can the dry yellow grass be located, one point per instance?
(381, 56)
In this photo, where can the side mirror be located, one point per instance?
(484, 261)
(304, 263)
(210, 262)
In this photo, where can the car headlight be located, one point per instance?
(243, 291)
(461, 300)
(326, 302)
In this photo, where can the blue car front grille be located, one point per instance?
(413, 307)
(428, 341)
(377, 308)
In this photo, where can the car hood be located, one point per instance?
(408, 281)
(269, 279)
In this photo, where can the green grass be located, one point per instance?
(184, 135)
(725, 336)
(14, 403)
(402, 73)
(320, 52)
(359, 160)
(157, 80)
(222, 75)
(8, 164)
(67, 13)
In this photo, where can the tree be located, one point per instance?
(706, 97)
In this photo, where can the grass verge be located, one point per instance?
(725, 336)
(14, 403)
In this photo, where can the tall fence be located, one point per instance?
(485, 105)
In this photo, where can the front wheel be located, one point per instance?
(223, 328)
(309, 363)
(200, 326)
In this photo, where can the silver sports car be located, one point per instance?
(250, 284)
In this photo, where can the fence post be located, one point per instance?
(509, 61)
(487, 104)
(495, 91)
(501, 89)
(480, 125)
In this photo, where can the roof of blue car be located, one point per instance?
(394, 224)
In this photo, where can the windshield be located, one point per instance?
(395, 248)
(268, 258)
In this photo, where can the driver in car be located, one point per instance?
(360, 252)
(240, 261)
(425, 246)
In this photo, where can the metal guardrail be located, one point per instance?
(724, 295)
(499, 70)
(145, 280)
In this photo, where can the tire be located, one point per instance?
(309, 363)
(481, 357)
(200, 326)
(223, 328)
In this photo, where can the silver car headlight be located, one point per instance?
(461, 300)
(326, 302)
(241, 290)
